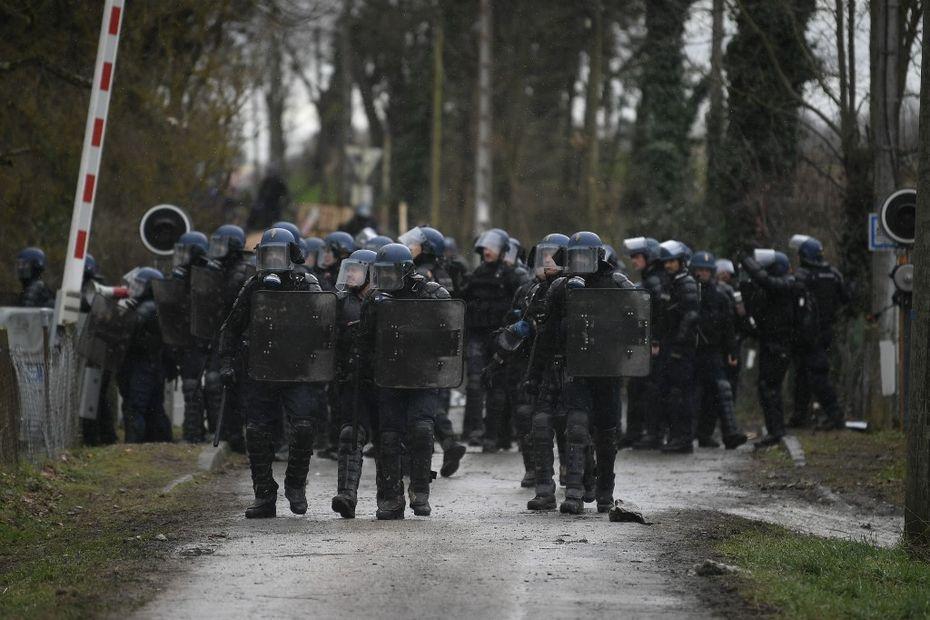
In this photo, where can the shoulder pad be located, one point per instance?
(380, 297)
(575, 282)
(621, 280)
(433, 290)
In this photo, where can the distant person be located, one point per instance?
(360, 220)
(30, 265)
(273, 198)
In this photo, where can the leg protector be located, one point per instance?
(300, 448)
(606, 449)
(193, 411)
(389, 477)
(261, 457)
(421, 453)
(349, 467)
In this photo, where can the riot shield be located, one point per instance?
(292, 335)
(173, 301)
(105, 334)
(607, 333)
(208, 301)
(420, 343)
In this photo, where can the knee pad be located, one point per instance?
(212, 382)
(576, 427)
(189, 388)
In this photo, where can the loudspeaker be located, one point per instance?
(903, 278)
(161, 227)
(899, 215)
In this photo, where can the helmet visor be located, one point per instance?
(545, 260)
(513, 250)
(635, 245)
(493, 240)
(219, 246)
(387, 276)
(274, 257)
(182, 255)
(24, 269)
(765, 258)
(581, 260)
(414, 240)
(136, 286)
(352, 275)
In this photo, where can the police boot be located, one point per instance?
(349, 468)
(529, 463)
(590, 476)
(606, 452)
(708, 441)
(389, 478)
(193, 411)
(648, 442)
(574, 478)
(542, 457)
(421, 453)
(300, 448)
(261, 456)
(452, 453)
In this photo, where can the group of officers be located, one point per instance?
(337, 342)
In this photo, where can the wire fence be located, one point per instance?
(39, 390)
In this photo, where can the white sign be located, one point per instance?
(879, 241)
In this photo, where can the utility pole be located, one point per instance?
(885, 63)
(436, 154)
(917, 496)
(483, 169)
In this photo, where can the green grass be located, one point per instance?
(76, 535)
(802, 576)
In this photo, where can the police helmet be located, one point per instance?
(515, 252)
(91, 270)
(377, 242)
(647, 246)
(547, 254)
(189, 246)
(493, 239)
(452, 247)
(336, 246)
(393, 263)
(774, 262)
(278, 250)
(139, 281)
(674, 250)
(583, 252)
(225, 240)
(353, 271)
(811, 252)
(430, 241)
(704, 260)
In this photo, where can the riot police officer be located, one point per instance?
(586, 402)
(406, 416)
(677, 348)
(102, 429)
(456, 267)
(427, 246)
(312, 247)
(302, 402)
(356, 394)
(643, 392)
(745, 324)
(828, 290)
(142, 373)
(772, 297)
(718, 348)
(190, 251)
(487, 294)
(226, 256)
(336, 246)
(30, 264)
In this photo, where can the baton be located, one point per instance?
(219, 419)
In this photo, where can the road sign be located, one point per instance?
(879, 241)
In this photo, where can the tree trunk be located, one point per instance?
(483, 151)
(345, 97)
(884, 125)
(917, 498)
(714, 120)
(274, 101)
(589, 181)
(436, 147)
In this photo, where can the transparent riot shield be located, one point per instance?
(105, 334)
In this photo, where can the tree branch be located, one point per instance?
(63, 74)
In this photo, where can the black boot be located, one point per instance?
(529, 463)
(349, 468)
(452, 453)
(606, 453)
(648, 442)
(590, 476)
(544, 499)
(300, 448)
(767, 442)
(261, 456)
(708, 442)
(542, 457)
(574, 478)
(421, 453)
(389, 477)
(192, 426)
(731, 442)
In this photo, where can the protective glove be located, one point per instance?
(227, 375)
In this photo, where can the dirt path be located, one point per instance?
(481, 553)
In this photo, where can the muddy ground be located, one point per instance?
(482, 553)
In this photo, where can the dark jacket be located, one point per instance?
(717, 331)
(36, 294)
(488, 294)
(773, 301)
(682, 311)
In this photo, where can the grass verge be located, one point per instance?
(78, 535)
(799, 576)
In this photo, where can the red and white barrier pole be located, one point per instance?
(68, 302)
